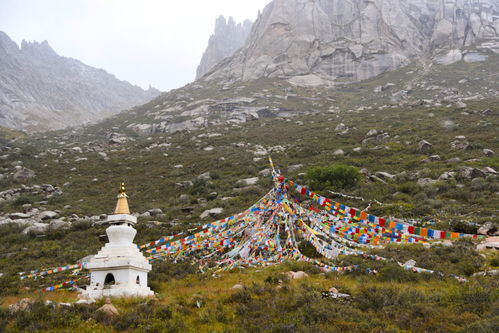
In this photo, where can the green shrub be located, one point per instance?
(463, 227)
(490, 325)
(409, 188)
(495, 261)
(163, 271)
(333, 176)
(3, 319)
(22, 201)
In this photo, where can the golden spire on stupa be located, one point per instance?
(122, 204)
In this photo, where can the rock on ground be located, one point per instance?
(212, 212)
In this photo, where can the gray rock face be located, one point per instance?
(316, 42)
(228, 38)
(41, 90)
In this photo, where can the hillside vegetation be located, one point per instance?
(400, 176)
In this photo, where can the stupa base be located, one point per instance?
(117, 292)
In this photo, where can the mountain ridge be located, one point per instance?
(40, 90)
(321, 42)
(226, 39)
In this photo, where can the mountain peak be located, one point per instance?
(41, 90)
(337, 41)
(36, 48)
(7, 45)
(227, 38)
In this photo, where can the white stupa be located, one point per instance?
(119, 269)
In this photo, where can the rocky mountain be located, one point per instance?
(227, 38)
(317, 42)
(41, 90)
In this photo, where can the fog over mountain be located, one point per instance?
(41, 90)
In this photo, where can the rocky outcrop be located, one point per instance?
(41, 90)
(227, 38)
(47, 190)
(317, 42)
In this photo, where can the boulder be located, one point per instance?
(19, 216)
(340, 127)
(184, 198)
(333, 295)
(452, 56)
(237, 286)
(409, 263)
(212, 212)
(447, 175)
(23, 175)
(488, 152)
(432, 158)
(155, 211)
(490, 170)
(339, 152)
(294, 167)
(424, 145)
(470, 173)
(385, 175)
(487, 228)
(59, 225)
(185, 183)
(247, 181)
(377, 138)
(372, 132)
(48, 215)
(37, 228)
(85, 301)
(21, 305)
(204, 176)
(266, 172)
(426, 181)
(494, 272)
(460, 144)
(296, 275)
(491, 243)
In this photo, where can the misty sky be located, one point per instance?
(157, 42)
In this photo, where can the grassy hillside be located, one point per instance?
(7, 135)
(157, 169)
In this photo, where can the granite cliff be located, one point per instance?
(227, 38)
(318, 42)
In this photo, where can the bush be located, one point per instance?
(495, 261)
(22, 201)
(3, 319)
(334, 176)
(463, 227)
(163, 271)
